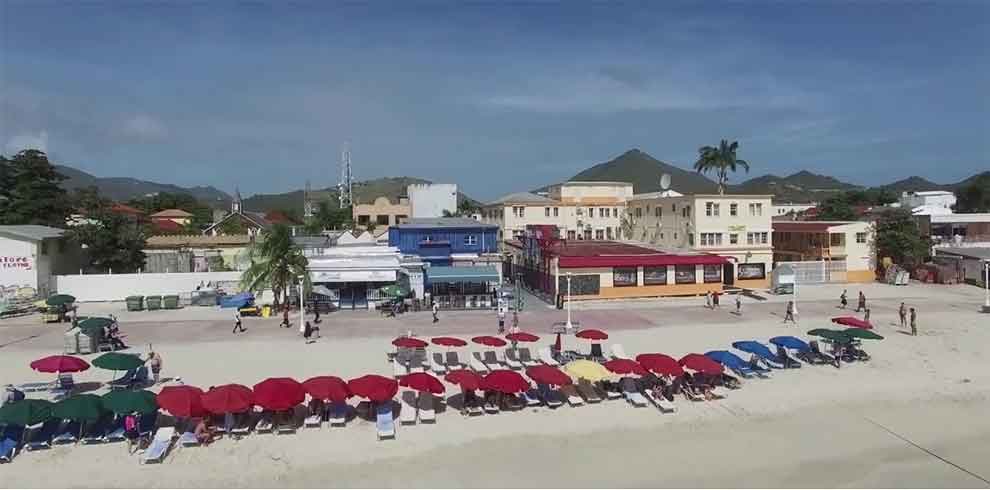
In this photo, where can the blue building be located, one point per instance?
(442, 241)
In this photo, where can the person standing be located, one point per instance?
(789, 313)
(237, 322)
(914, 323)
(316, 319)
(285, 317)
(902, 311)
(501, 320)
(155, 362)
(843, 300)
(739, 305)
(715, 295)
(515, 321)
(862, 302)
(866, 316)
(436, 309)
(708, 300)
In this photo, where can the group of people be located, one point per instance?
(712, 299)
(908, 316)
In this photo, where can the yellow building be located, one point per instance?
(845, 248)
(382, 212)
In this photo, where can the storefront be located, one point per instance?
(353, 277)
(463, 287)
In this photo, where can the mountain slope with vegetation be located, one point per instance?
(643, 172)
(126, 188)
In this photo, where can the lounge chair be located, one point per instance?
(571, 395)
(10, 440)
(147, 422)
(95, 432)
(453, 362)
(512, 359)
(491, 360)
(526, 357)
(691, 394)
(426, 408)
(63, 386)
(286, 422)
(821, 355)
(40, 436)
(124, 382)
(532, 398)
(188, 439)
(35, 387)
(596, 353)
(587, 391)
(160, 444)
(662, 404)
(314, 421)
(115, 431)
(338, 414)
(477, 364)
(547, 358)
(67, 433)
(264, 425)
(384, 422)
(611, 390)
(631, 392)
(419, 361)
(436, 364)
(407, 414)
(618, 352)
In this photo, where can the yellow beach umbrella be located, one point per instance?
(589, 370)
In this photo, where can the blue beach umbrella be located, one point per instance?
(754, 347)
(789, 342)
(726, 358)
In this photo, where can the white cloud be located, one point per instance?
(144, 127)
(27, 141)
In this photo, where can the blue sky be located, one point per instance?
(495, 98)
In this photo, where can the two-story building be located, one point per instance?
(845, 250)
(381, 213)
(734, 226)
(32, 255)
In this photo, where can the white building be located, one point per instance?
(844, 249)
(431, 200)
(785, 208)
(928, 202)
(31, 255)
(354, 275)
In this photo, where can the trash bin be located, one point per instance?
(171, 301)
(153, 302)
(135, 303)
(266, 311)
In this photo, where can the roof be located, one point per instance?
(256, 218)
(172, 213)
(167, 226)
(428, 223)
(522, 198)
(472, 273)
(34, 233)
(125, 209)
(182, 241)
(586, 253)
(572, 183)
(810, 226)
(313, 241)
(961, 218)
(982, 253)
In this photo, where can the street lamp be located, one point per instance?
(302, 303)
(986, 286)
(569, 325)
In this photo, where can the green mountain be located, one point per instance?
(643, 172)
(124, 188)
(365, 192)
(803, 186)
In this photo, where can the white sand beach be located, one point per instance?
(811, 427)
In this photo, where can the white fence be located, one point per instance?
(818, 271)
(116, 287)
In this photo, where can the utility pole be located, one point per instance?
(986, 286)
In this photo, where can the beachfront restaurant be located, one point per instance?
(463, 287)
(355, 277)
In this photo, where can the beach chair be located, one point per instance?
(587, 391)
(477, 364)
(338, 414)
(618, 352)
(491, 360)
(241, 425)
(532, 398)
(10, 441)
(40, 436)
(286, 422)
(631, 392)
(115, 431)
(384, 423)
(146, 423)
(419, 362)
(436, 364)
(407, 414)
(188, 439)
(551, 398)
(95, 432)
(514, 402)
(426, 408)
(611, 389)
(124, 382)
(547, 357)
(67, 433)
(490, 407)
(35, 387)
(63, 386)
(571, 395)
(816, 351)
(160, 444)
(264, 425)
(691, 394)
(453, 362)
(314, 421)
(662, 404)
(526, 357)
(512, 359)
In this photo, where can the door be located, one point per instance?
(360, 296)
(729, 274)
(346, 298)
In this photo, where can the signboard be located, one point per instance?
(15, 262)
(17, 270)
(737, 228)
(352, 276)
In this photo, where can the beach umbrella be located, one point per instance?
(80, 408)
(327, 388)
(121, 402)
(116, 361)
(279, 393)
(625, 366)
(423, 382)
(522, 337)
(60, 300)
(589, 370)
(25, 412)
(859, 333)
(789, 342)
(231, 398)
(726, 358)
(702, 364)
(489, 341)
(592, 334)
(394, 290)
(182, 401)
(548, 375)
(466, 379)
(91, 325)
(505, 381)
(660, 364)
(448, 341)
(409, 343)
(851, 321)
(836, 336)
(374, 387)
(754, 347)
(60, 364)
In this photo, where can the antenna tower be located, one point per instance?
(308, 201)
(346, 183)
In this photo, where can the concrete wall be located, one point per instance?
(18, 263)
(116, 287)
(430, 200)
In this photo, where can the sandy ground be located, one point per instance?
(885, 423)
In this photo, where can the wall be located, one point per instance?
(608, 290)
(408, 240)
(430, 200)
(116, 287)
(382, 206)
(18, 263)
(859, 256)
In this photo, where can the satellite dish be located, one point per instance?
(665, 181)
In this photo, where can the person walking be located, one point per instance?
(501, 320)
(285, 317)
(436, 309)
(789, 313)
(739, 305)
(515, 321)
(155, 362)
(715, 295)
(237, 322)
(866, 316)
(902, 311)
(708, 300)
(862, 302)
(309, 330)
(914, 323)
(843, 300)
(316, 319)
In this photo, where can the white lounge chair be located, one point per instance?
(426, 408)
(67, 433)
(618, 352)
(526, 357)
(477, 365)
(436, 364)
(661, 403)
(453, 361)
(160, 444)
(384, 423)
(338, 414)
(264, 425)
(188, 439)
(512, 359)
(313, 421)
(491, 360)
(241, 425)
(532, 398)
(547, 358)
(571, 395)
(407, 416)
(632, 394)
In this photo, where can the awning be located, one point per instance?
(479, 273)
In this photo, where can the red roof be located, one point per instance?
(125, 209)
(573, 254)
(278, 217)
(167, 226)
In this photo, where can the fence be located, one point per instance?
(116, 287)
(817, 271)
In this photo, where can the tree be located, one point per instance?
(975, 197)
(328, 217)
(110, 239)
(836, 208)
(276, 263)
(721, 160)
(202, 214)
(233, 226)
(898, 237)
(31, 193)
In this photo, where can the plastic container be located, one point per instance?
(171, 302)
(72, 341)
(153, 302)
(135, 303)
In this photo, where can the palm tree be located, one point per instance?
(276, 262)
(721, 160)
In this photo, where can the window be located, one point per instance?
(764, 237)
(661, 235)
(591, 212)
(639, 212)
(711, 209)
(382, 219)
(587, 234)
(556, 212)
(624, 276)
(655, 275)
(711, 239)
(675, 235)
(571, 235)
(546, 212)
(835, 239)
(44, 247)
(518, 211)
(860, 237)
(685, 274)
(691, 239)
(751, 271)
(673, 208)
(603, 212)
(733, 209)
(733, 238)
(756, 209)
(470, 240)
(659, 212)
(599, 234)
(713, 273)
(608, 232)
(364, 219)
(429, 238)
(749, 238)
(615, 212)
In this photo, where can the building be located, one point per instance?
(432, 200)
(353, 276)
(382, 213)
(737, 227)
(844, 251)
(31, 255)
(786, 208)
(928, 202)
(580, 210)
(446, 241)
(956, 229)
(238, 221)
(176, 216)
(971, 263)
(611, 270)
(197, 253)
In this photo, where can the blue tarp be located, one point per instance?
(788, 342)
(239, 300)
(727, 359)
(754, 347)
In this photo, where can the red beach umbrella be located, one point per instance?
(327, 388)
(374, 387)
(489, 341)
(448, 341)
(182, 401)
(660, 364)
(548, 375)
(279, 393)
(423, 382)
(625, 366)
(468, 380)
(591, 334)
(851, 321)
(59, 364)
(409, 342)
(700, 363)
(522, 337)
(230, 398)
(505, 381)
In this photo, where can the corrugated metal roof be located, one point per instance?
(178, 241)
(422, 223)
(982, 253)
(32, 232)
(522, 198)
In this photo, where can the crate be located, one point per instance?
(71, 341)
(87, 344)
(153, 302)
